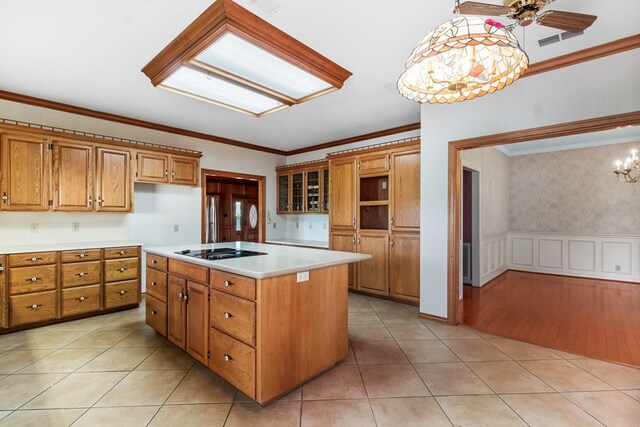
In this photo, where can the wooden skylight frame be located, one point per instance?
(226, 17)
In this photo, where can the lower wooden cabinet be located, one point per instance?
(404, 266)
(373, 274)
(346, 241)
(234, 361)
(177, 310)
(156, 315)
(197, 344)
(49, 287)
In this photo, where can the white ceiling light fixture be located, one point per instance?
(232, 58)
(464, 58)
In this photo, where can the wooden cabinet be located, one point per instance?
(376, 195)
(404, 266)
(301, 188)
(73, 169)
(25, 179)
(32, 308)
(4, 309)
(197, 321)
(166, 168)
(113, 180)
(373, 274)
(345, 241)
(177, 310)
(157, 293)
(342, 184)
(83, 299)
(405, 179)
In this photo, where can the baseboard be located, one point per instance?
(573, 276)
(433, 317)
(491, 276)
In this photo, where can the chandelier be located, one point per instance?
(464, 58)
(630, 171)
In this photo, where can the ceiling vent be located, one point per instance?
(558, 37)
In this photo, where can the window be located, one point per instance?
(238, 215)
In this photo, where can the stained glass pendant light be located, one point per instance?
(464, 58)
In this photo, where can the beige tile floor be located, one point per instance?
(113, 370)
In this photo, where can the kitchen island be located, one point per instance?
(266, 318)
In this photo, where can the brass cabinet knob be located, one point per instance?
(228, 283)
(227, 315)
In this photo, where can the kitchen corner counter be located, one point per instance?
(320, 244)
(278, 261)
(51, 247)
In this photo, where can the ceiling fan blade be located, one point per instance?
(567, 21)
(476, 8)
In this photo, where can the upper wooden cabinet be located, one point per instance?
(302, 189)
(73, 172)
(342, 184)
(25, 180)
(405, 202)
(113, 185)
(375, 163)
(166, 168)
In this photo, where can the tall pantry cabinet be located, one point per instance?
(375, 197)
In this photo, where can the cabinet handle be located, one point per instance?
(180, 295)
(227, 315)
(173, 174)
(34, 259)
(99, 200)
(121, 269)
(228, 283)
(122, 292)
(353, 240)
(353, 222)
(155, 261)
(82, 255)
(1, 269)
(391, 242)
(90, 201)
(81, 299)
(227, 357)
(185, 297)
(153, 283)
(154, 312)
(81, 274)
(166, 173)
(34, 279)
(121, 252)
(358, 241)
(5, 197)
(391, 220)
(34, 306)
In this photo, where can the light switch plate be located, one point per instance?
(303, 276)
(33, 227)
(75, 227)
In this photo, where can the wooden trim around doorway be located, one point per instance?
(455, 174)
(262, 198)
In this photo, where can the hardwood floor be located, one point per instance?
(595, 318)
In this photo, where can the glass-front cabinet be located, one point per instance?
(303, 188)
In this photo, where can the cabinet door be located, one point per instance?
(342, 187)
(284, 181)
(375, 163)
(25, 173)
(72, 176)
(346, 242)
(405, 194)
(176, 311)
(152, 167)
(297, 192)
(325, 190)
(4, 295)
(404, 266)
(113, 180)
(184, 170)
(312, 191)
(198, 321)
(373, 274)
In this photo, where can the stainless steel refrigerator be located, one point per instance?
(213, 201)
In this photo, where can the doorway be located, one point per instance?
(470, 227)
(233, 207)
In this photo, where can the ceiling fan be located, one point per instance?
(525, 12)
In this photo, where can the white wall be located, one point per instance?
(602, 87)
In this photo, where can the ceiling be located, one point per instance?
(90, 54)
(584, 140)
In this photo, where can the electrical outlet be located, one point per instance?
(274, 225)
(493, 266)
(303, 276)
(618, 268)
(33, 227)
(75, 227)
(297, 225)
(176, 228)
(310, 225)
(324, 225)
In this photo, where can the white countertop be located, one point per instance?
(280, 260)
(300, 242)
(46, 247)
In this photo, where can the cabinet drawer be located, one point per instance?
(121, 293)
(32, 279)
(81, 273)
(244, 287)
(233, 316)
(32, 308)
(189, 271)
(84, 299)
(156, 282)
(35, 258)
(81, 255)
(115, 253)
(156, 261)
(233, 361)
(156, 315)
(373, 164)
(120, 269)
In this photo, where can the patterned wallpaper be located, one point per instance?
(573, 191)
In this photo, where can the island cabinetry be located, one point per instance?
(81, 276)
(188, 308)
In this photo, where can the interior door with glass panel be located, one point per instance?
(245, 219)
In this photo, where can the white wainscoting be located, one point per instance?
(611, 257)
(493, 256)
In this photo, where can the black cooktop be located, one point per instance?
(218, 254)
